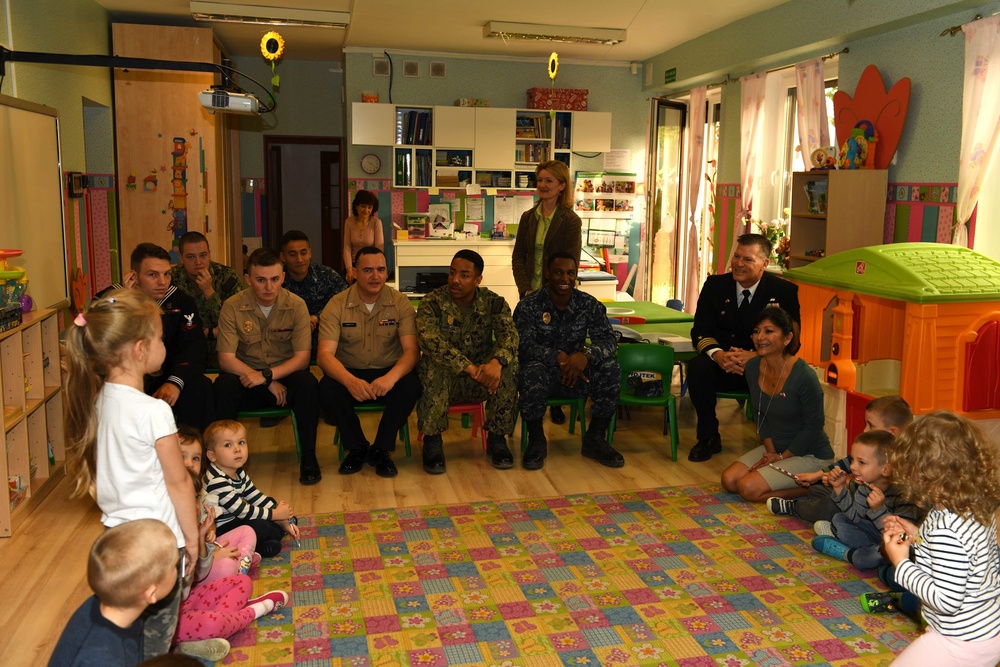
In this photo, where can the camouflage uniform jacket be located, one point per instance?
(225, 281)
(546, 331)
(319, 286)
(451, 339)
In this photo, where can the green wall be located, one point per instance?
(309, 104)
(60, 26)
(900, 37)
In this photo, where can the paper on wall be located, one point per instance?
(475, 210)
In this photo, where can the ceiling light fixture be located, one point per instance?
(554, 33)
(224, 12)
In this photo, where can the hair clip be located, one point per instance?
(80, 320)
(111, 299)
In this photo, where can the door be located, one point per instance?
(665, 176)
(333, 207)
(306, 190)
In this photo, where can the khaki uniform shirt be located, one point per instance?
(368, 340)
(261, 342)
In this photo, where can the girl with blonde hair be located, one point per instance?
(122, 445)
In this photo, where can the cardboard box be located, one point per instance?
(560, 99)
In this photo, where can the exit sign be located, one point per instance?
(670, 75)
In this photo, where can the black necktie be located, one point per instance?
(745, 303)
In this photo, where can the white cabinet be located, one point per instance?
(373, 124)
(430, 255)
(494, 138)
(591, 131)
(455, 127)
(31, 385)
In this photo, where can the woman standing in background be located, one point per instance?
(550, 227)
(362, 228)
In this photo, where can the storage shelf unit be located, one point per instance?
(31, 386)
(852, 216)
(451, 147)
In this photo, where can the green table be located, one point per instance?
(654, 313)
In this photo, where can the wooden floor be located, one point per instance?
(43, 569)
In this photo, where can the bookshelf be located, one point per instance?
(31, 386)
(451, 147)
(835, 210)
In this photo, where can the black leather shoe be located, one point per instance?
(703, 450)
(381, 460)
(353, 462)
(498, 453)
(534, 456)
(309, 475)
(597, 448)
(433, 455)
(270, 422)
(558, 416)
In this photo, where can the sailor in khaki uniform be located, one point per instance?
(264, 347)
(368, 352)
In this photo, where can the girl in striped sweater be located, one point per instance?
(946, 464)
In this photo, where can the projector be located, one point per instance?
(216, 99)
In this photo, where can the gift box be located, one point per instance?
(561, 99)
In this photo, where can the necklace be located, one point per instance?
(770, 397)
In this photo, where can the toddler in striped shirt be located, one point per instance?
(238, 502)
(945, 463)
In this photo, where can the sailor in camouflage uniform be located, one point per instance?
(456, 327)
(315, 284)
(208, 283)
(553, 323)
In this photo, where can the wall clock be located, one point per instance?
(370, 164)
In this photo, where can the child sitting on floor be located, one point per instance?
(240, 503)
(886, 413)
(220, 606)
(236, 553)
(864, 498)
(131, 566)
(955, 568)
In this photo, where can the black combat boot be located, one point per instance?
(534, 456)
(433, 454)
(497, 451)
(596, 447)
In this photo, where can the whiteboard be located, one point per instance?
(31, 198)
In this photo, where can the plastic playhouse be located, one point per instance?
(921, 320)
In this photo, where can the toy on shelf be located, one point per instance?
(13, 283)
(884, 112)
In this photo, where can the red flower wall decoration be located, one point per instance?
(885, 111)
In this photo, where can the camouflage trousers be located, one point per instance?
(159, 620)
(441, 388)
(539, 382)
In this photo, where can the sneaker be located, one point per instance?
(830, 546)
(278, 598)
(781, 507)
(877, 603)
(823, 528)
(212, 650)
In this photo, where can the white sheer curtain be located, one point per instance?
(751, 122)
(695, 170)
(980, 117)
(810, 95)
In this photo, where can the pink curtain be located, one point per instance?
(751, 123)
(695, 170)
(980, 117)
(810, 95)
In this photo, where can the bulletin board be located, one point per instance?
(31, 198)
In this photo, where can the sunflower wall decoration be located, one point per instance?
(553, 73)
(272, 47)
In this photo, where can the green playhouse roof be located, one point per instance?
(915, 272)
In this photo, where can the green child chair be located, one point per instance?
(657, 359)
